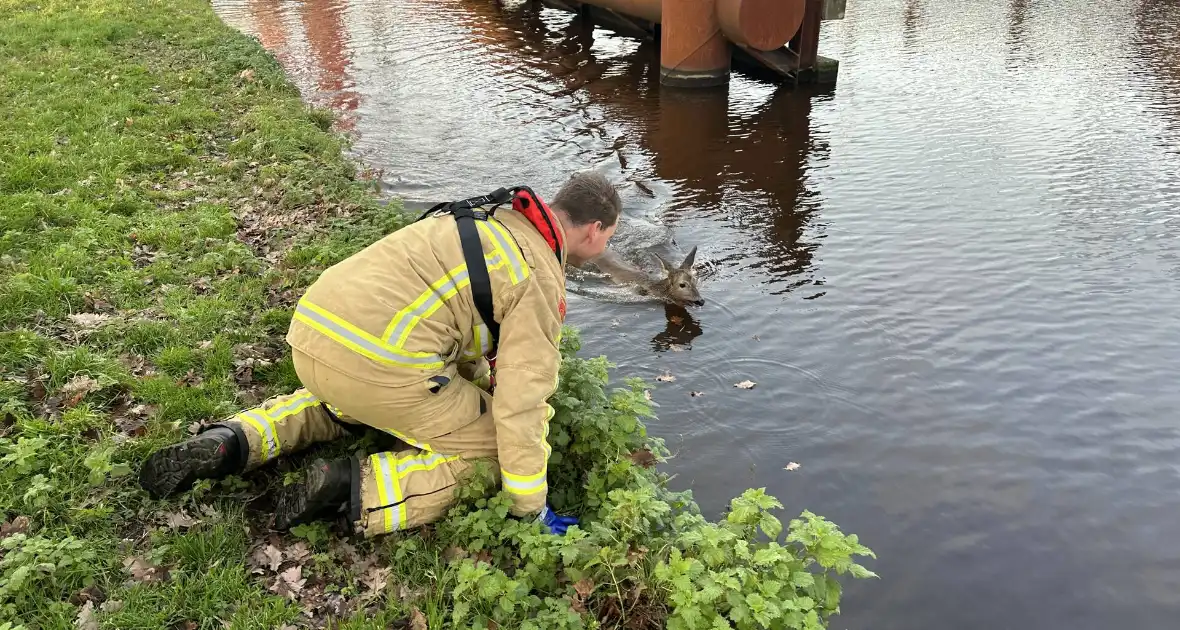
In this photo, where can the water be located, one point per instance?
(955, 276)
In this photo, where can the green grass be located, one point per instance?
(164, 197)
(144, 180)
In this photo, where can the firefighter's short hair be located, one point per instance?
(588, 196)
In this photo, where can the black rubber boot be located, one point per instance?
(326, 489)
(211, 454)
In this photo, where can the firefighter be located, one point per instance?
(444, 335)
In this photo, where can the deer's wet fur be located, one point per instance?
(677, 284)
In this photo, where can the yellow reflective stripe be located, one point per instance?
(480, 337)
(402, 325)
(408, 440)
(265, 430)
(545, 435)
(426, 461)
(389, 492)
(400, 321)
(292, 407)
(507, 246)
(361, 342)
(524, 484)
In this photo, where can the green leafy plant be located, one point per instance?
(34, 567)
(642, 556)
(22, 454)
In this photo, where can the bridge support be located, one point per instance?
(700, 38)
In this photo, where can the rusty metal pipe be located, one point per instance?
(695, 35)
(693, 50)
(760, 24)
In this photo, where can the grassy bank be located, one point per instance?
(164, 196)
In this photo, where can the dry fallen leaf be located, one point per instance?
(246, 75)
(791, 466)
(91, 593)
(86, 620)
(290, 582)
(298, 552)
(376, 578)
(666, 377)
(676, 319)
(181, 519)
(190, 379)
(143, 570)
(418, 620)
(111, 606)
(17, 526)
(643, 457)
(37, 389)
(78, 387)
(637, 554)
(747, 384)
(582, 590)
(269, 557)
(89, 321)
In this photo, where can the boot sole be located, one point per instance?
(174, 469)
(303, 502)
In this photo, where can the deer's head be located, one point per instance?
(680, 283)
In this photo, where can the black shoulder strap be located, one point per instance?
(477, 269)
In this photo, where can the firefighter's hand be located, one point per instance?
(553, 523)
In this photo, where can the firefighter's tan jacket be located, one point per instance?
(400, 314)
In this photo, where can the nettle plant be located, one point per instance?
(643, 556)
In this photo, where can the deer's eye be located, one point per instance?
(682, 285)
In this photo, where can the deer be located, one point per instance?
(677, 286)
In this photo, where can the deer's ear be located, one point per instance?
(688, 260)
(665, 265)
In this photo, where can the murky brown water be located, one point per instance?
(955, 277)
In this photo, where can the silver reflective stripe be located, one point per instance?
(513, 257)
(269, 435)
(523, 486)
(293, 405)
(383, 351)
(419, 462)
(392, 491)
(436, 298)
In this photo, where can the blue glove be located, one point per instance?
(553, 523)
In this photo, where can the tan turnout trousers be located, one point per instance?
(398, 490)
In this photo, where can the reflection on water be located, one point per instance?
(955, 276)
(326, 39)
(682, 327)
